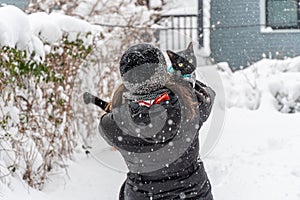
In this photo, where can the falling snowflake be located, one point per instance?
(137, 130)
(120, 138)
(182, 195)
(135, 188)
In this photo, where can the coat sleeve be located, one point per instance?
(115, 136)
(206, 97)
(106, 129)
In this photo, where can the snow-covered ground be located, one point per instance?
(257, 156)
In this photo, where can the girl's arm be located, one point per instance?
(206, 97)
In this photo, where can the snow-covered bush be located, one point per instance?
(241, 88)
(285, 88)
(280, 78)
(37, 131)
(48, 59)
(122, 23)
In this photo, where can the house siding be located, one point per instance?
(236, 35)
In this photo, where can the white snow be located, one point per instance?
(155, 4)
(29, 32)
(19, 190)
(257, 156)
(278, 78)
(88, 178)
(43, 27)
(14, 27)
(180, 7)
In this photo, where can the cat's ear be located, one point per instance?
(171, 55)
(190, 46)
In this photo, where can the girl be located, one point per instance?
(154, 124)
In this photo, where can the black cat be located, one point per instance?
(184, 61)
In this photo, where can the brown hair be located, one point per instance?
(177, 85)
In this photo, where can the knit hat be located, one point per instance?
(143, 69)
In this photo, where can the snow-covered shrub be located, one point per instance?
(42, 81)
(241, 88)
(37, 121)
(121, 24)
(286, 90)
(280, 78)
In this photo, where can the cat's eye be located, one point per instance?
(190, 60)
(180, 64)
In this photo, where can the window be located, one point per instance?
(282, 14)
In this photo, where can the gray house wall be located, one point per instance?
(236, 35)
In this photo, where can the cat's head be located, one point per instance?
(184, 61)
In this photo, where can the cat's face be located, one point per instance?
(184, 61)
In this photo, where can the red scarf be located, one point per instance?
(157, 100)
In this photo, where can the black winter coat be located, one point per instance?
(164, 163)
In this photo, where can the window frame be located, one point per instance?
(266, 27)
